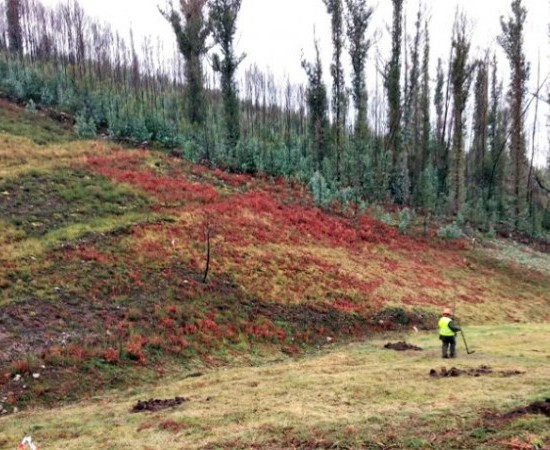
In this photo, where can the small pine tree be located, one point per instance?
(320, 189)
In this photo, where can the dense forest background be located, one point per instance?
(454, 145)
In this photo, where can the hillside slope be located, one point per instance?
(104, 267)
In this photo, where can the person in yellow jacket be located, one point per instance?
(447, 333)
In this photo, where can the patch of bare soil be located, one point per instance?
(475, 372)
(502, 420)
(34, 325)
(156, 404)
(398, 318)
(302, 317)
(170, 425)
(541, 407)
(296, 444)
(402, 346)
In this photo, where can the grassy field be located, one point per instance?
(345, 397)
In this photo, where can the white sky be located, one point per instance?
(274, 33)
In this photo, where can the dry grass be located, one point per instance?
(19, 154)
(354, 396)
(522, 255)
(15, 247)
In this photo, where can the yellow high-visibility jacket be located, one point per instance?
(444, 328)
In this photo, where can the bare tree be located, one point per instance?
(461, 76)
(358, 19)
(192, 29)
(14, 10)
(478, 152)
(223, 22)
(426, 153)
(316, 99)
(511, 41)
(339, 101)
(3, 27)
(392, 81)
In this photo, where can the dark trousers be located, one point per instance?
(448, 343)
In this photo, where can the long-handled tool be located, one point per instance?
(468, 351)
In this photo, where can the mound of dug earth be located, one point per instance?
(481, 370)
(542, 407)
(401, 346)
(156, 404)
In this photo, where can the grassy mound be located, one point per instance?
(32, 123)
(40, 202)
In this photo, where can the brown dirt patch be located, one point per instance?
(308, 317)
(38, 203)
(35, 325)
(170, 425)
(475, 372)
(402, 346)
(296, 444)
(156, 404)
(502, 420)
(541, 407)
(398, 318)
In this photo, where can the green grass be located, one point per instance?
(357, 396)
(39, 202)
(40, 129)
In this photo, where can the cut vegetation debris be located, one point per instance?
(153, 405)
(476, 372)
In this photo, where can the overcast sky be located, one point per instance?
(274, 33)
